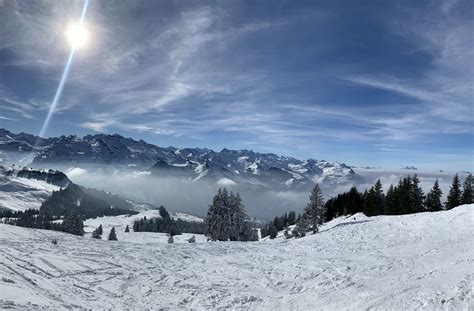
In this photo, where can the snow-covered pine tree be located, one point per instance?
(100, 231)
(227, 220)
(467, 197)
(314, 211)
(127, 229)
(454, 195)
(433, 198)
(112, 235)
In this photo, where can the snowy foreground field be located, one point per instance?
(422, 261)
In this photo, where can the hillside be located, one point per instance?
(22, 189)
(420, 261)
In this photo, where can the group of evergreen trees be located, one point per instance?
(97, 233)
(71, 205)
(347, 203)
(227, 220)
(313, 216)
(73, 199)
(167, 224)
(406, 197)
(456, 196)
(277, 224)
(37, 219)
(72, 223)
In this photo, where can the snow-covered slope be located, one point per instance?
(22, 193)
(121, 221)
(422, 261)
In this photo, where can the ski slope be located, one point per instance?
(423, 261)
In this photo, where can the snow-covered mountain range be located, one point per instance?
(243, 167)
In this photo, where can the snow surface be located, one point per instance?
(121, 221)
(422, 261)
(20, 194)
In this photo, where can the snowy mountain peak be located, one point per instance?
(244, 167)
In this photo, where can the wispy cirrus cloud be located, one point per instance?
(305, 77)
(443, 95)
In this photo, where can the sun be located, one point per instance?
(77, 35)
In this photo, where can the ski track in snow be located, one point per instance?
(423, 261)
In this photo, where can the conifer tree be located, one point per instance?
(95, 234)
(272, 231)
(330, 213)
(467, 197)
(374, 200)
(405, 196)
(278, 224)
(301, 226)
(417, 195)
(291, 218)
(392, 201)
(314, 211)
(127, 229)
(454, 195)
(99, 229)
(112, 235)
(354, 202)
(73, 224)
(433, 198)
(227, 220)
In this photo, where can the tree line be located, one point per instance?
(65, 210)
(406, 197)
(278, 224)
(167, 224)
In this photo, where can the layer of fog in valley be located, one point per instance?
(181, 195)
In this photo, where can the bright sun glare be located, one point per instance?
(76, 35)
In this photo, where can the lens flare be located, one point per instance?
(59, 90)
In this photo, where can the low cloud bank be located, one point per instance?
(181, 195)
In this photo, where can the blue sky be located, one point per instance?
(379, 83)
